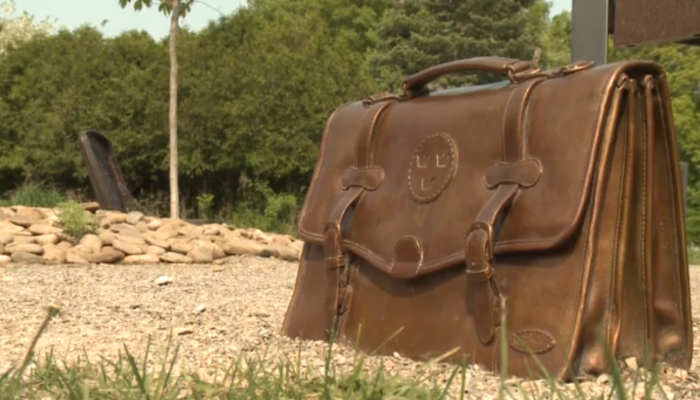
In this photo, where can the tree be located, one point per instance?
(176, 9)
(557, 41)
(417, 34)
(14, 30)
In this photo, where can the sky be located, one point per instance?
(74, 13)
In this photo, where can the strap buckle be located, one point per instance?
(483, 266)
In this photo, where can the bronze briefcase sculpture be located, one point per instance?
(554, 197)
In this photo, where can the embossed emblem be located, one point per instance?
(535, 341)
(432, 167)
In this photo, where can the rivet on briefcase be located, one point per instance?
(552, 198)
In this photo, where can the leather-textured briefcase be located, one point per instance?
(550, 202)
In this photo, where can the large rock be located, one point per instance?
(216, 251)
(142, 259)
(282, 252)
(28, 213)
(107, 255)
(54, 254)
(117, 228)
(107, 237)
(17, 239)
(175, 258)
(134, 217)
(181, 246)
(241, 246)
(43, 229)
(155, 250)
(46, 239)
(91, 241)
(21, 257)
(157, 239)
(8, 227)
(24, 222)
(130, 238)
(113, 218)
(76, 258)
(155, 224)
(5, 237)
(32, 248)
(201, 255)
(130, 249)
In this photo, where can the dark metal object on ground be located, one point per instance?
(106, 177)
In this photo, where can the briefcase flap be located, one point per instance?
(435, 159)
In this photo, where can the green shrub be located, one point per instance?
(267, 210)
(75, 221)
(205, 203)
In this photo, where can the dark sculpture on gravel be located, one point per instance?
(106, 177)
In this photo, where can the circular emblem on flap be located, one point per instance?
(432, 167)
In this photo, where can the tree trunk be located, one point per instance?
(174, 192)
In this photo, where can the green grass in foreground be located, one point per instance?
(129, 379)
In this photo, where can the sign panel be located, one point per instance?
(653, 22)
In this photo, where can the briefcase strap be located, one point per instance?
(356, 180)
(515, 174)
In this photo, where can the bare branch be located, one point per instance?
(205, 4)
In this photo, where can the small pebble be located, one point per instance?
(200, 309)
(164, 280)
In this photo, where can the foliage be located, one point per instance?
(205, 202)
(164, 6)
(34, 195)
(557, 41)
(256, 88)
(266, 210)
(75, 221)
(417, 34)
(17, 29)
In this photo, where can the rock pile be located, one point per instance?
(35, 236)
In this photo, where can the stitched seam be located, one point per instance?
(645, 260)
(616, 240)
(370, 135)
(358, 144)
(521, 117)
(581, 271)
(504, 135)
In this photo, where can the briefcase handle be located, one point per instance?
(510, 67)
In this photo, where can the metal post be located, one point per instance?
(589, 30)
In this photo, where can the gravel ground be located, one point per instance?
(218, 311)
